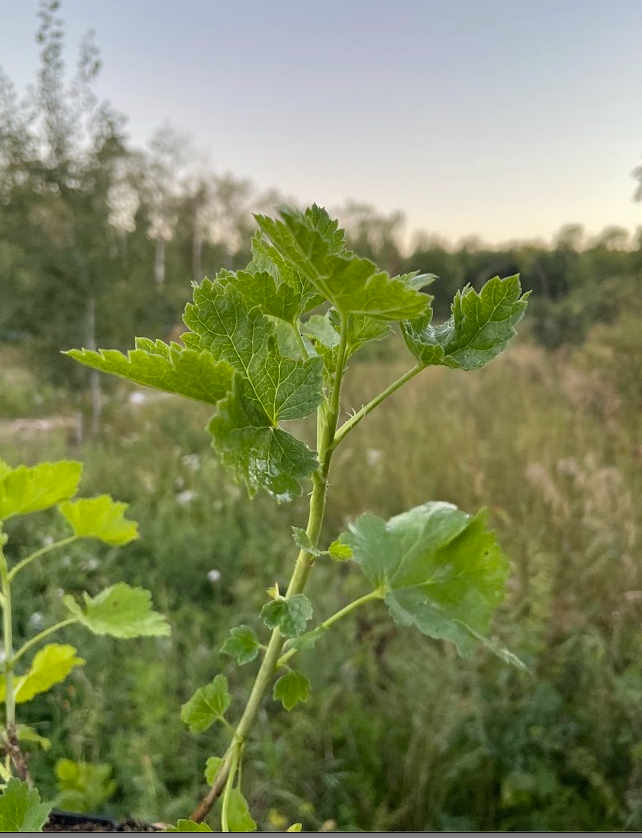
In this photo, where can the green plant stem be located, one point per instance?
(7, 639)
(43, 550)
(39, 637)
(328, 419)
(351, 423)
(343, 612)
(229, 785)
(299, 340)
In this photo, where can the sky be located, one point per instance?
(496, 118)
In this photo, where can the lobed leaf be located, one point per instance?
(30, 489)
(479, 328)
(21, 809)
(50, 666)
(242, 645)
(258, 454)
(439, 569)
(302, 541)
(171, 368)
(291, 688)
(101, 518)
(221, 322)
(119, 611)
(340, 552)
(83, 786)
(290, 615)
(207, 705)
(267, 258)
(312, 242)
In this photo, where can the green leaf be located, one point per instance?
(239, 818)
(221, 322)
(309, 639)
(267, 258)
(183, 825)
(479, 328)
(361, 329)
(83, 786)
(312, 243)
(119, 611)
(212, 767)
(296, 827)
(278, 299)
(207, 705)
(21, 809)
(258, 454)
(24, 489)
(28, 734)
(340, 552)
(439, 569)
(50, 666)
(302, 540)
(289, 615)
(101, 518)
(321, 329)
(291, 688)
(243, 645)
(171, 368)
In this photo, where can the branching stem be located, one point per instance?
(38, 553)
(40, 637)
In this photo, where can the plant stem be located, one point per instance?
(299, 340)
(302, 567)
(229, 785)
(368, 408)
(7, 639)
(46, 549)
(41, 636)
(343, 612)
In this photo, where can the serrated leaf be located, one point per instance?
(267, 258)
(302, 540)
(309, 639)
(212, 767)
(260, 288)
(184, 825)
(50, 666)
(207, 705)
(239, 818)
(479, 328)
(417, 280)
(311, 242)
(439, 569)
(242, 645)
(340, 552)
(21, 809)
(291, 688)
(28, 734)
(361, 329)
(171, 368)
(101, 518)
(119, 611)
(289, 615)
(258, 454)
(222, 322)
(24, 490)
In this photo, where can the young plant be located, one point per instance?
(119, 611)
(257, 353)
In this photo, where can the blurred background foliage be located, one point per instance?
(99, 242)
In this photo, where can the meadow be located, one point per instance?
(404, 735)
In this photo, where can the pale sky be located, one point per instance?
(501, 118)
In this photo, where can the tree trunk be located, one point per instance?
(94, 375)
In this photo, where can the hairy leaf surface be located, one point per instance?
(314, 245)
(440, 569)
(101, 518)
(172, 368)
(289, 615)
(119, 611)
(258, 454)
(479, 328)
